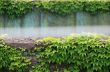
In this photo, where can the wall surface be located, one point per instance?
(37, 24)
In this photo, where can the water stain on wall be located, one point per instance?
(41, 24)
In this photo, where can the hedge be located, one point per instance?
(12, 8)
(74, 53)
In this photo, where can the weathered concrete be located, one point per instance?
(21, 42)
(41, 24)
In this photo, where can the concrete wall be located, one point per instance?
(40, 24)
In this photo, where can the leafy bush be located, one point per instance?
(75, 53)
(12, 59)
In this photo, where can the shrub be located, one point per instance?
(75, 53)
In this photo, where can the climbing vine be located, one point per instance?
(76, 53)
(13, 8)
(12, 59)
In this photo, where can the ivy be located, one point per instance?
(14, 9)
(11, 59)
(76, 53)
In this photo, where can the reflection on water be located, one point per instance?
(38, 24)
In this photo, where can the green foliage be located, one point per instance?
(75, 53)
(12, 59)
(13, 8)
